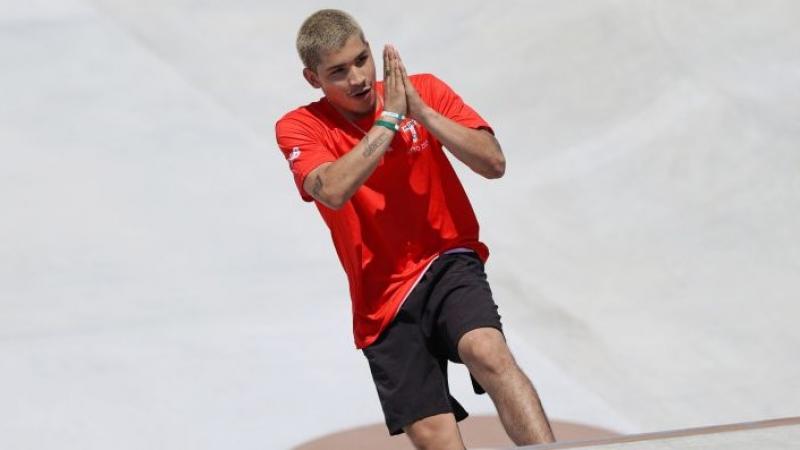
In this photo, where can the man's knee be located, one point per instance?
(435, 432)
(485, 352)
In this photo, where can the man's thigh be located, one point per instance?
(411, 380)
(465, 303)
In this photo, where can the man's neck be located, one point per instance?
(353, 117)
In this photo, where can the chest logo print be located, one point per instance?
(410, 129)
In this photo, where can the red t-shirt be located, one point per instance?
(409, 211)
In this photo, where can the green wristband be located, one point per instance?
(387, 124)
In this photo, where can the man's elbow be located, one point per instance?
(335, 199)
(331, 201)
(318, 185)
(335, 203)
(496, 168)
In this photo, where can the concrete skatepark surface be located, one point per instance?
(162, 285)
(778, 434)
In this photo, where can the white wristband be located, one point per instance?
(393, 115)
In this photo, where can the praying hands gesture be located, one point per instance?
(394, 90)
(476, 148)
(400, 95)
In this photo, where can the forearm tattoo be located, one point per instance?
(372, 146)
(317, 187)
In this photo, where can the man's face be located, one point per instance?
(347, 78)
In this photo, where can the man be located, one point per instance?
(369, 154)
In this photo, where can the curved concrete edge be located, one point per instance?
(793, 422)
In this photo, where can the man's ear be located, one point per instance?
(312, 78)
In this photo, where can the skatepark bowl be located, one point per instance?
(162, 285)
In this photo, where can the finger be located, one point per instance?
(394, 67)
(404, 76)
(399, 58)
(386, 63)
(393, 54)
(396, 63)
(401, 69)
(387, 71)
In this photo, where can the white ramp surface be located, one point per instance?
(778, 434)
(162, 285)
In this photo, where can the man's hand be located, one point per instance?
(478, 149)
(416, 106)
(394, 90)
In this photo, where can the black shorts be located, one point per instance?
(409, 360)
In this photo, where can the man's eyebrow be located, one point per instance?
(363, 54)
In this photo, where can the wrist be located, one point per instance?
(392, 116)
(390, 124)
(424, 114)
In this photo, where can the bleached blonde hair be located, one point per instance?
(325, 30)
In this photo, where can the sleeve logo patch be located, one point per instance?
(293, 156)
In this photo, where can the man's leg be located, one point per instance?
(489, 360)
(411, 379)
(438, 432)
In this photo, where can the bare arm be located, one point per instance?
(478, 149)
(332, 184)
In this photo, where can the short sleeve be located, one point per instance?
(441, 97)
(303, 149)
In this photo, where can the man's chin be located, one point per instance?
(358, 109)
(367, 104)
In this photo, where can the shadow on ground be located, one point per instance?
(478, 431)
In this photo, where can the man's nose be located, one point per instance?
(357, 77)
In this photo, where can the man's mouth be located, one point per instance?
(362, 94)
